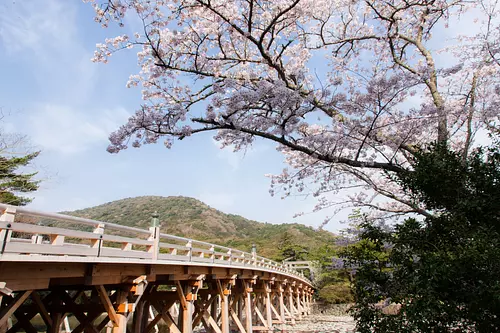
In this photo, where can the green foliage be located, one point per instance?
(13, 181)
(290, 249)
(336, 293)
(443, 271)
(191, 218)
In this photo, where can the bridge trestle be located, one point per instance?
(107, 299)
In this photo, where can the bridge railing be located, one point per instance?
(26, 233)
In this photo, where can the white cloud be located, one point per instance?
(66, 130)
(37, 25)
(44, 36)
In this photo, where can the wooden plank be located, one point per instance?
(171, 257)
(114, 252)
(103, 295)
(6, 312)
(120, 239)
(44, 230)
(174, 246)
(200, 259)
(66, 249)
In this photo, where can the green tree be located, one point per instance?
(443, 271)
(14, 181)
(290, 249)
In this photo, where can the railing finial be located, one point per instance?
(155, 221)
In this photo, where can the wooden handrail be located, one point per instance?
(152, 248)
(73, 219)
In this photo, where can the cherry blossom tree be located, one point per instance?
(347, 89)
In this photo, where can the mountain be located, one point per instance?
(192, 218)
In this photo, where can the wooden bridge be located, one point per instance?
(61, 273)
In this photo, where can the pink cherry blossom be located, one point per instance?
(347, 89)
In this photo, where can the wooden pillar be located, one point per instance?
(269, 314)
(187, 296)
(282, 306)
(139, 313)
(121, 301)
(291, 308)
(186, 307)
(224, 293)
(248, 307)
(56, 323)
(187, 318)
(299, 308)
(304, 306)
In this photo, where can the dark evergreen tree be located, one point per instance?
(14, 181)
(443, 271)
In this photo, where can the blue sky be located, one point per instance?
(67, 105)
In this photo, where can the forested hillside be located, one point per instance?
(192, 218)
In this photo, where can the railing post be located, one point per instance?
(97, 244)
(230, 256)
(212, 253)
(155, 236)
(254, 254)
(189, 245)
(8, 215)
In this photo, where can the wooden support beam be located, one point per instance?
(108, 305)
(41, 307)
(32, 312)
(152, 323)
(260, 316)
(276, 313)
(84, 319)
(13, 306)
(86, 322)
(25, 322)
(167, 318)
(237, 321)
(214, 309)
(202, 308)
